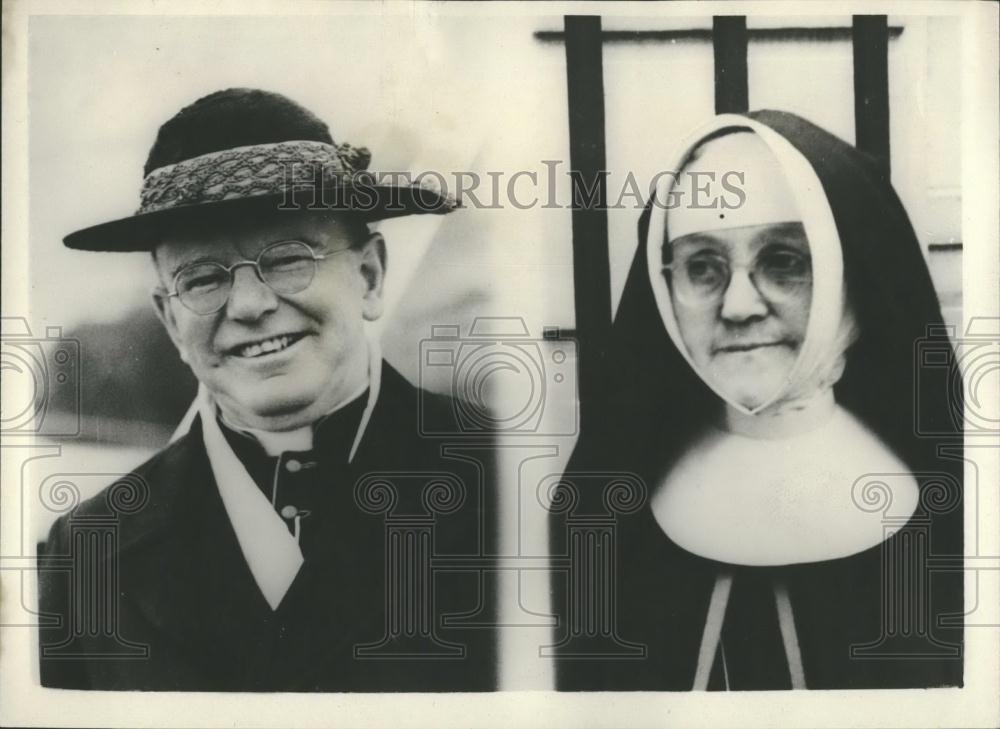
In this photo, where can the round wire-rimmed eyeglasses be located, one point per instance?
(701, 280)
(287, 267)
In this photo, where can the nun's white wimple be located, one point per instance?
(830, 329)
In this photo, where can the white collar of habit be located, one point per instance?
(271, 552)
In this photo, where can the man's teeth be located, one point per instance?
(268, 346)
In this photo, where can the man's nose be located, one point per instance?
(742, 301)
(250, 298)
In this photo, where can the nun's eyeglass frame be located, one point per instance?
(774, 285)
(286, 267)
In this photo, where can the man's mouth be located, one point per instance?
(264, 347)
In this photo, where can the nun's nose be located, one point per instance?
(742, 301)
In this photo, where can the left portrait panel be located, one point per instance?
(242, 466)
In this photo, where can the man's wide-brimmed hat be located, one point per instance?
(242, 151)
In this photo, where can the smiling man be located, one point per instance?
(257, 552)
(295, 290)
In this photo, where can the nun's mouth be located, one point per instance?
(750, 346)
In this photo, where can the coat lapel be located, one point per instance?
(186, 575)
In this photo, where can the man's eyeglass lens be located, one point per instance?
(287, 267)
(701, 279)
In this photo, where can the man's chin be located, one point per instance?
(279, 410)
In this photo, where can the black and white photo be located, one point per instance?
(452, 363)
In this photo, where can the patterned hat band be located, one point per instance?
(251, 171)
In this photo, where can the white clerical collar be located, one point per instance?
(271, 552)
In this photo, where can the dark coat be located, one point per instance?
(656, 595)
(183, 612)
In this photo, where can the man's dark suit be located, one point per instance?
(185, 591)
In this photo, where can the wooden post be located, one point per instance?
(591, 266)
(729, 42)
(871, 86)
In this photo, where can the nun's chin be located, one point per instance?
(752, 378)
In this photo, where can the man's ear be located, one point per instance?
(165, 313)
(373, 272)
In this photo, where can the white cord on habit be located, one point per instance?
(712, 635)
(786, 621)
(713, 630)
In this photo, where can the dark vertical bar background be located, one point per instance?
(729, 42)
(591, 267)
(871, 86)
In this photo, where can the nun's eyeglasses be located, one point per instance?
(701, 278)
(287, 267)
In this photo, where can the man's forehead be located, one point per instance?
(248, 235)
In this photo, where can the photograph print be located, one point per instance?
(470, 349)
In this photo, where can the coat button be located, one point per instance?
(289, 512)
(293, 466)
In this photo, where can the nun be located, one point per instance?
(764, 390)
